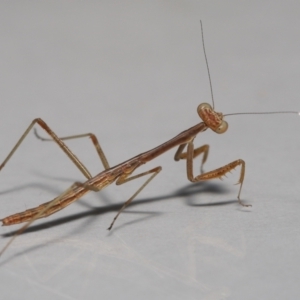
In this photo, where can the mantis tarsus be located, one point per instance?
(122, 173)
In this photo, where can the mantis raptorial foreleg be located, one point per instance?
(183, 155)
(217, 173)
(124, 178)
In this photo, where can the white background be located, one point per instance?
(133, 73)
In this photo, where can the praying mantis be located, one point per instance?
(123, 172)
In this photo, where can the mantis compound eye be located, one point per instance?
(222, 128)
(202, 107)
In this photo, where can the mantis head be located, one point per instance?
(211, 118)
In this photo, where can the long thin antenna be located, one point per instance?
(211, 90)
(264, 113)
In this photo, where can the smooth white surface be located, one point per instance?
(133, 73)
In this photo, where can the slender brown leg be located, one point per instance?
(183, 155)
(123, 179)
(217, 173)
(59, 142)
(90, 135)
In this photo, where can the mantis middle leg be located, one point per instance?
(124, 178)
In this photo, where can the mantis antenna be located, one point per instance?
(212, 95)
(211, 90)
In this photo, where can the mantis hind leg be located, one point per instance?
(90, 135)
(56, 139)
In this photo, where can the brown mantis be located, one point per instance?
(122, 172)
